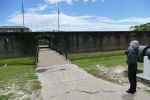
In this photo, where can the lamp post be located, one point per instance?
(58, 10)
(22, 13)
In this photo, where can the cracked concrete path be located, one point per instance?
(62, 80)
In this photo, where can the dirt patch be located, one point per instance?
(13, 91)
(116, 74)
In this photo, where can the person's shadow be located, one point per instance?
(128, 97)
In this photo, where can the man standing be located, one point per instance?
(132, 55)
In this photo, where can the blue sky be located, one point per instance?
(76, 15)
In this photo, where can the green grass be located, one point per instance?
(95, 72)
(20, 73)
(4, 97)
(104, 61)
(89, 55)
(28, 60)
(16, 72)
(110, 59)
(147, 91)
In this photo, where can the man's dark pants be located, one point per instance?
(132, 69)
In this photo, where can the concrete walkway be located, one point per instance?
(62, 80)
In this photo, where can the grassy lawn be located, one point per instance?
(107, 59)
(17, 78)
(78, 56)
(104, 65)
(29, 60)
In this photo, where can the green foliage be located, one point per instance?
(143, 27)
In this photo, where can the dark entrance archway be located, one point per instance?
(44, 42)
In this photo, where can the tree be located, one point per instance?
(143, 27)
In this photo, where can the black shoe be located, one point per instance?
(131, 92)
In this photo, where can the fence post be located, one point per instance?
(66, 54)
(36, 54)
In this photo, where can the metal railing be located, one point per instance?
(36, 55)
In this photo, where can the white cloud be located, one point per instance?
(75, 23)
(135, 20)
(68, 1)
(85, 0)
(46, 22)
(40, 7)
(56, 1)
(94, 0)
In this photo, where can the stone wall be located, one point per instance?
(98, 41)
(20, 44)
(12, 45)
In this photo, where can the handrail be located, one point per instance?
(36, 55)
